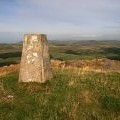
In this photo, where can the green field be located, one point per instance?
(68, 96)
(65, 50)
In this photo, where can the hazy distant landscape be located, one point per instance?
(65, 50)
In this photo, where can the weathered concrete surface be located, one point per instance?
(35, 61)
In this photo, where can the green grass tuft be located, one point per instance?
(110, 103)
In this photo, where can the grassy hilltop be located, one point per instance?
(72, 94)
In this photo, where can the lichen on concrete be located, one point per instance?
(35, 60)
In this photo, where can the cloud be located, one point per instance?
(91, 18)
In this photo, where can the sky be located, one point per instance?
(60, 19)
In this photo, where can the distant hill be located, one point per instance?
(65, 50)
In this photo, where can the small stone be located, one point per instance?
(10, 96)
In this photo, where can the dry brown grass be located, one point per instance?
(96, 65)
(7, 69)
(79, 66)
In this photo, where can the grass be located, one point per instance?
(68, 96)
(110, 103)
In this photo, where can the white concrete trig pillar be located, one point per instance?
(35, 61)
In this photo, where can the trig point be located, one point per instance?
(35, 60)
